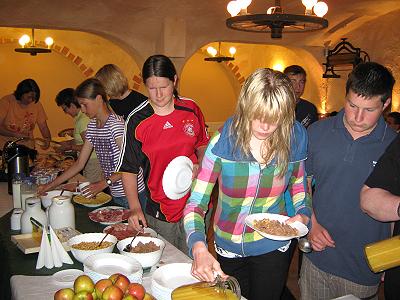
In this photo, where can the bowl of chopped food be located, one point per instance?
(86, 244)
(147, 250)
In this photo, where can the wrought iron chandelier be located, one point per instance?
(28, 45)
(216, 56)
(275, 20)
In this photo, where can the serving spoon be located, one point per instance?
(128, 247)
(305, 245)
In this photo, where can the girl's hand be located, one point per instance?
(205, 267)
(195, 171)
(299, 217)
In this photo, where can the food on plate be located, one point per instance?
(91, 245)
(109, 215)
(275, 227)
(115, 287)
(145, 247)
(122, 231)
(100, 198)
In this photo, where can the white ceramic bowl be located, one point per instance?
(147, 260)
(81, 255)
(47, 199)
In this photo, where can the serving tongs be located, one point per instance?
(219, 283)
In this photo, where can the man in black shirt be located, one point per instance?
(306, 112)
(380, 199)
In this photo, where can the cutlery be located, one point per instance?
(128, 248)
(305, 245)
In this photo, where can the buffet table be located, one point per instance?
(19, 278)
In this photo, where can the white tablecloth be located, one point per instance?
(44, 287)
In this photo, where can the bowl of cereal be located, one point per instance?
(147, 250)
(86, 244)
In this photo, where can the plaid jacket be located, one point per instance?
(244, 188)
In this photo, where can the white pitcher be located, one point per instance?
(61, 212)
(32, 209)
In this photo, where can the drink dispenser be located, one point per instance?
(16, 157)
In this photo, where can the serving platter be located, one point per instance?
(301, 228)
(109, 215)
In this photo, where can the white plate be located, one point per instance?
(66, 277)
(301, 228)
(105, 264)
(104, 208)
(168, 277)
(177, 178)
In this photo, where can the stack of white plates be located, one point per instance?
(168, 277)
(100, 266)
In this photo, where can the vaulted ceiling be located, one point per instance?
(139, 26)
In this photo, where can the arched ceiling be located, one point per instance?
(138, 26)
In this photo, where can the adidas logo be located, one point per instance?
(167, 125)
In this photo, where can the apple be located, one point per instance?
(64, 294)
(83, 295)
(120, 281)
(112, 293)
(129, 297)
(83, 283)
(137, 290)
(101, 285)
(148, 297)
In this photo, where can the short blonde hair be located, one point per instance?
(268, 96)
(113, 79)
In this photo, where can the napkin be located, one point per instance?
(51, 254)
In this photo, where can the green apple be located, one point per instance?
(83, 283)
(129, 297)
(64, 294)
(83, 295)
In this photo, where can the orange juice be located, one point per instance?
(203, 291)
(384, 254)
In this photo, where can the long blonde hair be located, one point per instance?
(268, 96)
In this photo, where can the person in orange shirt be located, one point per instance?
(20, 112)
